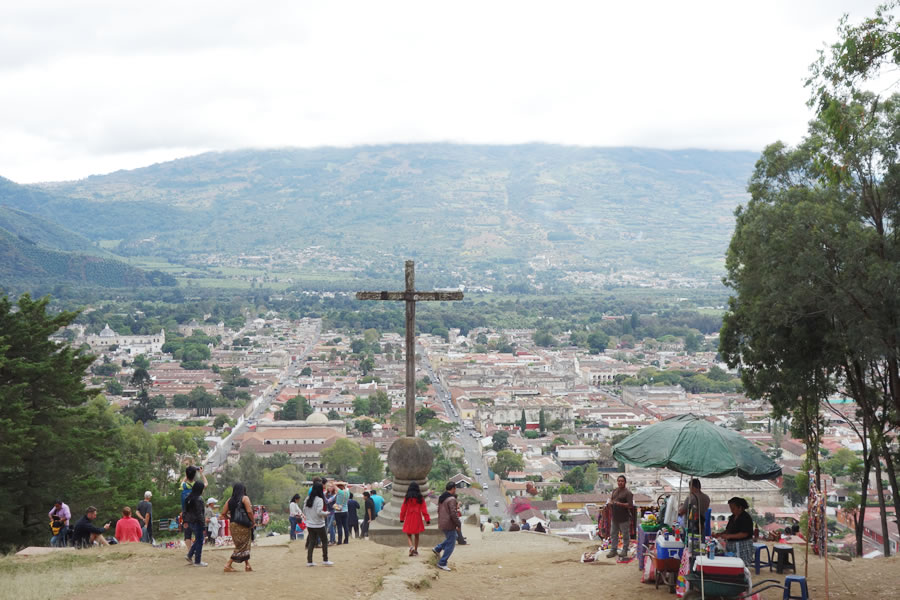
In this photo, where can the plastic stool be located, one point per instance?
(758, 562)
(784, 552)
(789, 581)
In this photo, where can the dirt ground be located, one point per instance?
(491, 566)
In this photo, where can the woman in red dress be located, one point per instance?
(413, 512)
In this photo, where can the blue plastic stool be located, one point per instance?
(758, 562)
(789, 581)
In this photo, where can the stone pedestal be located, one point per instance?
(409, 459)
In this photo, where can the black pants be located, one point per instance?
(340, 523)
(352, 524)
(364, 532)
(316, 534)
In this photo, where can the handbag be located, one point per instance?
(241, 517)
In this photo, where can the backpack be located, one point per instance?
(56, 526)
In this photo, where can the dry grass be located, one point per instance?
(40, 578)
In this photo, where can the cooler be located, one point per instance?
(729, 566)
(668, 548)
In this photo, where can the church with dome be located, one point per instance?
(303, 441)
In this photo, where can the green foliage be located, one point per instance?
(341, 457)
(507, 461)
(500, 440)
(296, 408)
(114, 387)
(424, 414)
(363, 425)
(371, 467)
(716, 381)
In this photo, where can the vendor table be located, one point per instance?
(644, 538)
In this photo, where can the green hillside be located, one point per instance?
(34, 249)
(478, 207)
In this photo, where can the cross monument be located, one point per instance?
(410, 296)
(409, 458)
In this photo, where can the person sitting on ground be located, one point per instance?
(525, 525)
(513, 526)
(86, 533)
(497, 526)
(539, 528)
(738, 535)
(128, 529)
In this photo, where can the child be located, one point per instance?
(412, 512)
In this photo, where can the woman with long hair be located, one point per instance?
(315, 513)
(413, 512)
(195, 517)
(294, 517)
(240, 511)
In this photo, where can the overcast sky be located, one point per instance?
(89, 87)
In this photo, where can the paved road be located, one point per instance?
(217, 457)
(495, 500)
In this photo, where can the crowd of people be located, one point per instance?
(327, 516)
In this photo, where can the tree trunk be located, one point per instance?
(892, 477)
(879, 486)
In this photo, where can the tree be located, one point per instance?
(542, 421)
(424, 414)
(379, 403)
(47, 417)
(543, 339)
(341, 457)
(306, 372)
(507, 461)
(522, 422)
(360, 407)
(597, 341)
(591, 475)
(201, 400)
(114, 387)
(371, 467)
(221, 420)
(575, 478)
(363, 425)
(295, 409)
(500, 440)
(141, 362)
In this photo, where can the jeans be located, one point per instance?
(294, 521)
(147, 534)
(316, 534)
(343, 533)
(329, 526)
(197, 547)
(447, 546)
(614, 529)
(60, 539)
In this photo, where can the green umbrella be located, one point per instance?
(693, 446)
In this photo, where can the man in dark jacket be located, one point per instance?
(352, 517)
(368, 514)
(448, 522)
(86, 533)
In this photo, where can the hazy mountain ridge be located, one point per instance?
(580, 208)
(34, 249)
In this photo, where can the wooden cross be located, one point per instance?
(410, 296)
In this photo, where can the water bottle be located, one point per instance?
(712, 549)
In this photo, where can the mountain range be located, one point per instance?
(512, 208)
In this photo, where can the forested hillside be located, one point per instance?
(588, 209)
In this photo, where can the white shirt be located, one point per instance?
(313, 514)
(295, 510)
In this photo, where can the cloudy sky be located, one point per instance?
(92, 86)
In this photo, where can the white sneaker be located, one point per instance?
(327, 563)
(444, 568)
(201, 564)
(310, 564)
